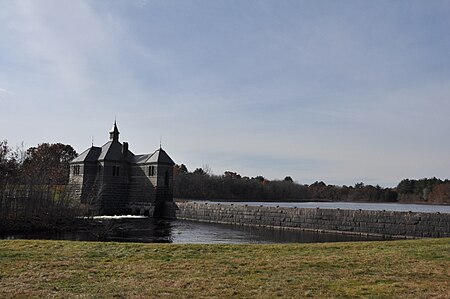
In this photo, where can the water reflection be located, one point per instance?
(197, 232)
(147, 230)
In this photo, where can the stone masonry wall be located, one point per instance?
(384, 223)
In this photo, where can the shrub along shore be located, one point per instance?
(409, 268)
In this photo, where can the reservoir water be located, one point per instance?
(147, 230)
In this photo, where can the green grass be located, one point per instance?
(61, 269)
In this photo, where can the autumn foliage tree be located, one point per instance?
(440, 193)
(48, 163)
(418, 190)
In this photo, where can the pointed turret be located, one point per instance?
(114, 133)
(160, 157)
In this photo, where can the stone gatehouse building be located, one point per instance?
(115, 181)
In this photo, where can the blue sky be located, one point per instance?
(339, 91)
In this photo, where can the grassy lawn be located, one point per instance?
(61, 269)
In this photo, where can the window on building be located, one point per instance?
(151, 170)
(115, 170)
(76, 170)
(166, 179)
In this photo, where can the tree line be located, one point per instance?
(202, 184)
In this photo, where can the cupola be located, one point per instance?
(114, 133)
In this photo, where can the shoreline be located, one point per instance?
(314, 200)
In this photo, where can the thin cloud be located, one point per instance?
(3, 90)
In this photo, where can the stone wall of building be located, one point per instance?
(82, 183)
(113, 196)
(141, 187)
(164, 182)
(386, 223)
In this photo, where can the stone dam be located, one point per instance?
(390, 224)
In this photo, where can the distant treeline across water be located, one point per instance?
(200, 184)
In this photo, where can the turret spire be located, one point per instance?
(114, 133)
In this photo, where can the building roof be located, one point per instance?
(158, 157)
(139, 159)
(113, 151)
(89, 155)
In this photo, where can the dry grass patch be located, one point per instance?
(60, 269)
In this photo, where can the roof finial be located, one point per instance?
(92, 141)
(114, 133)
(160, 142)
